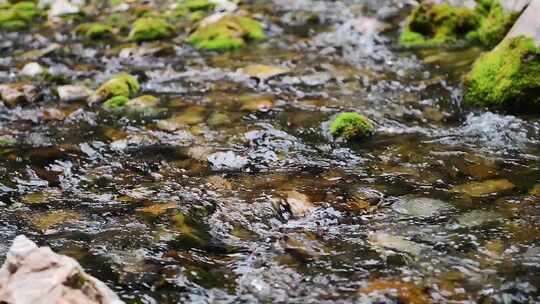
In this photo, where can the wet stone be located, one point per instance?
(18, 93)
(157, 209)
(394, 242)
(263, 72)
(50, 220)
(69, 93)
(190, 116)
(227, 161)
(477, 218)
(535, 190)
(420, 207)
(298, 204)
(32, 69)
(479, 189)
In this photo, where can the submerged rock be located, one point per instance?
(350, 125)
(33, 274)
(535, 190)
(262, 71)
(228, 32)
(406, 292)
(479, 189)
(420, 207)
(50, 220)
(507, 77)
(394, 242)
(190, 116)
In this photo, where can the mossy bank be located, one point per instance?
(507, 77)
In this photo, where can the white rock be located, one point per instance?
(32, 69)
(528, 24)
(514, 5)
(37, 275)
(63, 7)
(73, 93)
(224, 5)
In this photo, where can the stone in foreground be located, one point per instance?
(33, 274)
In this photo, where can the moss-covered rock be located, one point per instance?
(17, 16)
(7, 140)
(351, 125)
(120, 85)
(150, 28)
(437, 24)
(94, 30)
(506, 77)
(145, 105)
(494, 24)
(433, 25)
(115, 103)
(197, 5)
(229, 32)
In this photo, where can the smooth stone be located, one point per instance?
(479, 189)
(419, 207)
(32, 69)
(68, 93)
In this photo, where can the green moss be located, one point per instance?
(351, 125)
(150, 28)
(146, 105)
(115, 103)
(230, 32)
(94, 30)
(197, 16)
(121, 85)
(115, 2)
(508, 76)
(7, 140)
(197, 5)
(17, 16)
(432, 25)
(437, 24)
(495, 25)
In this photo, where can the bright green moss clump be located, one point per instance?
(432, 25)
(495, 25)
(437, 24)
(350, 125)
(197, 5)
(94, 30)
(121, 85)
(508, 77)
(150, 28)
(230, 32)
(115, 103)
(17, 16)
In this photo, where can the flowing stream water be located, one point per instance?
(251, 200)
